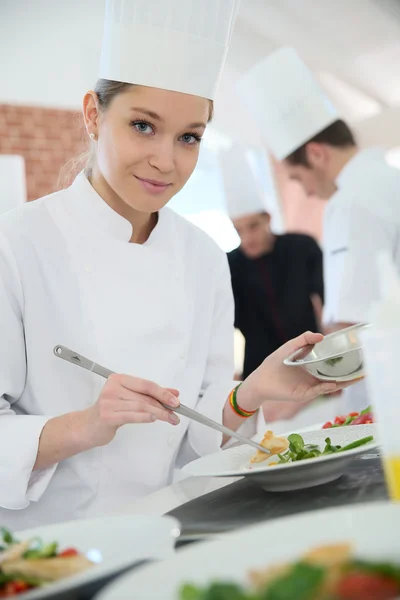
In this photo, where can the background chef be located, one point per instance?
(302, 128)
(276, 279)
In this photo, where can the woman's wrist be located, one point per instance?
(94, 433)
(247, 396)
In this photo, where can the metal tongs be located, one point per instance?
(85, 363)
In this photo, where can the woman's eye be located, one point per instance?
(143, 127)
(191, 139)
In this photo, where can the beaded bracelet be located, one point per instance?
(245, 414)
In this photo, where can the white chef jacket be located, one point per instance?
(361, 219)
(161, 311)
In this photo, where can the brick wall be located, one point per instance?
(46, 138)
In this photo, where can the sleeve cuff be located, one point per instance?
(19, 485)
(205, 440)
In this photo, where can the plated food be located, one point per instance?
(364, 417)
(55, 560)
(354, 547)
(30, 564)
(293, 448)
(290, 469)
(330, 572)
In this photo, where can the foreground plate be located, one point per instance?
(235, 462)
(369, 527)
(114, 543)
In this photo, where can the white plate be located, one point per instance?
(369, 527)
(235, 462)
(115, 543)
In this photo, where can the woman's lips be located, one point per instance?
(152, 185)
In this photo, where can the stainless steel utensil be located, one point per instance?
(85, 363)
(338, 357)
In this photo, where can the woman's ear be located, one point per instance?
(91, 113)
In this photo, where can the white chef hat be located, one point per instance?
(12, 182)
(288, 102)
(177, 45)
(243, 193)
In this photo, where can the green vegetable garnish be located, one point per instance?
(357, 443)
(296, 442)
(216, 591)
(42, 552)
(7, 536)
(301, 583)
(331, 362)
(386, 569)
(298, 450)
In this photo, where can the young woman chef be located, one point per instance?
(104, 269)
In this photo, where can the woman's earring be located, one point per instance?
(92, 136)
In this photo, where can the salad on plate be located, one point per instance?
(329, 572)
(30, 564)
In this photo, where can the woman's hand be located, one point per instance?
(275, 381)
(125, 399)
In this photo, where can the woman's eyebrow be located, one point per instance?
(156, 117)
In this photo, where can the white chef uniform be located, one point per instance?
(361, 218)
(162, 310)
(243, 192)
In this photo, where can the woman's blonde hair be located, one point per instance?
(106, 90)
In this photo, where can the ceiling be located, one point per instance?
(52, 50)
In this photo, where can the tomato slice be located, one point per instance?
(327, 425)
(68, 552)
(13, 588)
(366, 586)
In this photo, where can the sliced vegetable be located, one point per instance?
(68, 552)
(367, 586)
(353, 418)
(357, 443)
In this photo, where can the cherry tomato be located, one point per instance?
(340, 420)
(327, 425)
(363, 419)
(366, 586)
(68, 552)
(354, 414)
(12, 588)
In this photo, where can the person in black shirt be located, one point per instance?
(277, 286)
(276, 279)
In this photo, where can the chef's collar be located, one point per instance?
(359, 164)
(95, 212)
